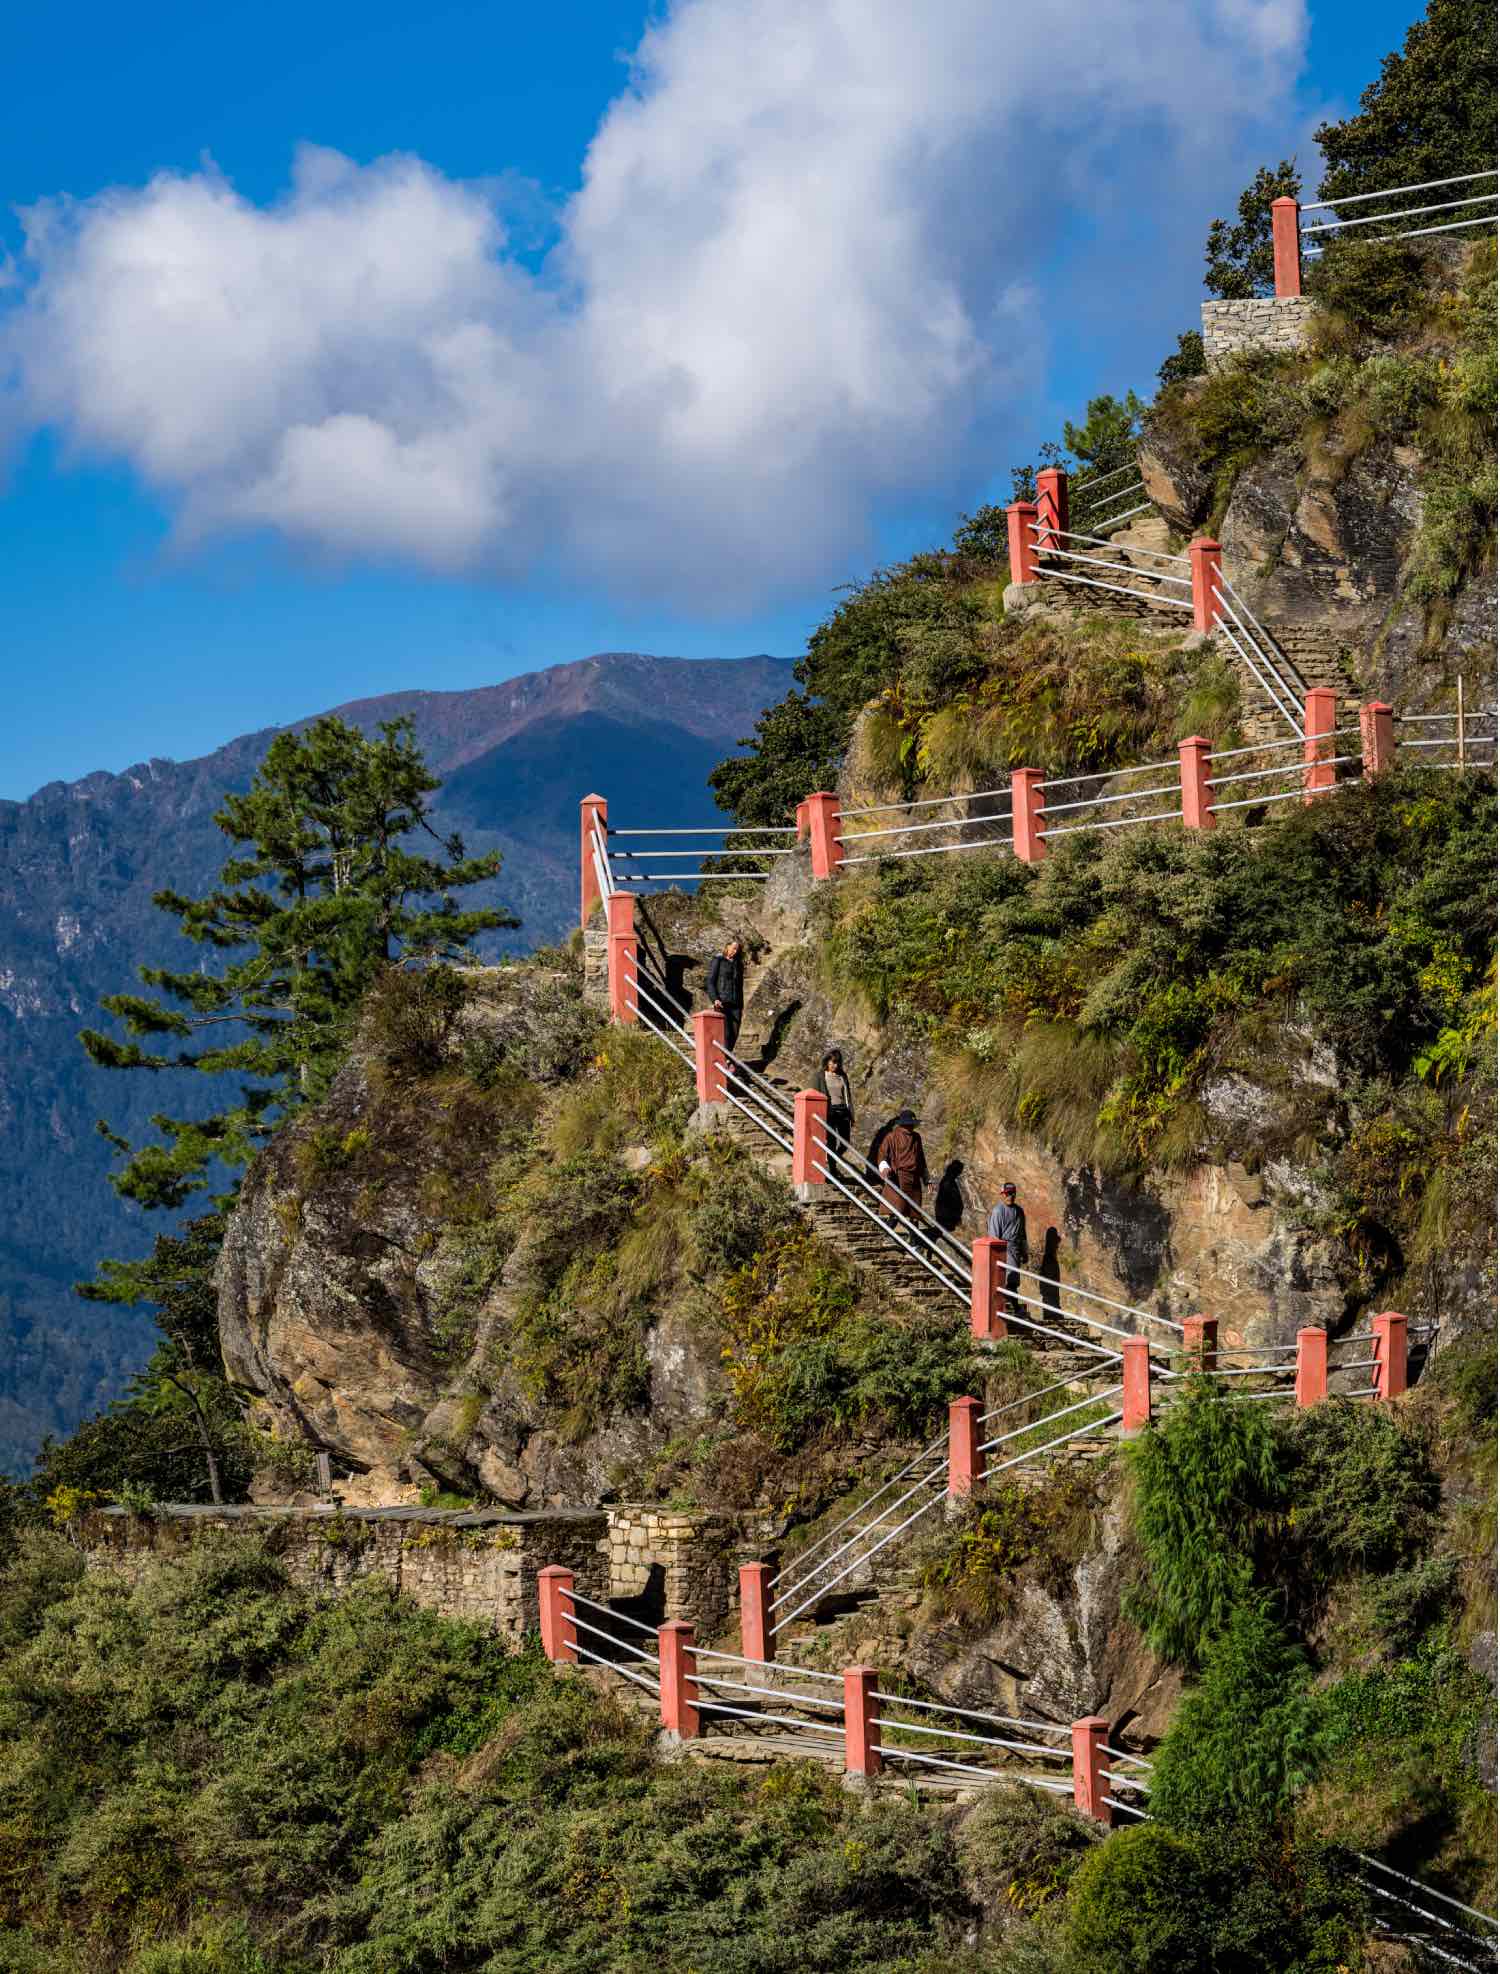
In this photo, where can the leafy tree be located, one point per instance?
(1240, 260)
(324, 893)
(1107, 434)
(981, 535)
(180, 1405)
(1187, 360)
(1430, 113)
(798, 744)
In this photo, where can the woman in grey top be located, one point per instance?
(833, 1082)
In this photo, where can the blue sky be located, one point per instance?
(653, 449)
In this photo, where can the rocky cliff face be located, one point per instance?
(342, 1301)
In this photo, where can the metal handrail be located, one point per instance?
(1361, 198)
(917, 829)
(1273, 654)
(1407, 212)
(1141, 596)
(1264, 673)
(1004, 1466)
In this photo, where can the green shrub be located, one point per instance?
(1363, 1491)
(1205, 1486)
(1378, 285)
(1401, 1749)
(1152, 1902)
(803, 1359)
(1244, 1739)
(410, 1015)
(1021, 1850)
(1008, 1534)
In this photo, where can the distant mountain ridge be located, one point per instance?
(80, 860)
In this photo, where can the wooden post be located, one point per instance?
(1136, 1355)
(1320, 717)
(965, 1448)
(1205, 561)
(987, 1288)
(1460, 719)
(1197, 796)
(554, 1596)
(1286, 247)
(325, 1476)
(590, 808)
(1390, 1353)
(757, 1639)
(1090, 1788)
(1028, 838)
(861, 1721)
(679, 1686)
(1312, 1367)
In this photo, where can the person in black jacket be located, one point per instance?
(726, 989)
(833, 1080)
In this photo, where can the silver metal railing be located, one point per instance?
(1340, 224)
(1091, 1429)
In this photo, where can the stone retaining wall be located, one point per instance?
(1273, 326)
(480, 1565)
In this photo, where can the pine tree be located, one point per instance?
(327, 889)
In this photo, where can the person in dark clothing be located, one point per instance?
(726, 989)
(948, 1205)
(1008, 1223)
(833, 1080)
(903, 1166)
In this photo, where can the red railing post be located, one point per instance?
(1312, 1367)
(861, 1721)
(825, 830)
(1377, 739)
(590, 808)
(1090, 1788)
(679, 1685)
(1197, 796)
(809, 1141)
(1200, 1342)
(1051, 505)
(965, 1448)
(554, 1596)
(987, 1288)
(1028, 838)
(1390, 1354)
(1136, 1370)
(624, 1002)
(1286, 247)
(757, 1639)
(802, 822)
(1206, 561)
(708, 1056)
(1320, 717)
(1020, 521)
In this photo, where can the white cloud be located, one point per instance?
(800, 279)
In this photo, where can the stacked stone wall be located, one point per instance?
(480, 1565)
(1273, 326)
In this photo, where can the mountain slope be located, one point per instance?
(79, 862)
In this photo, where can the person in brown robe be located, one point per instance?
(903, 1166)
